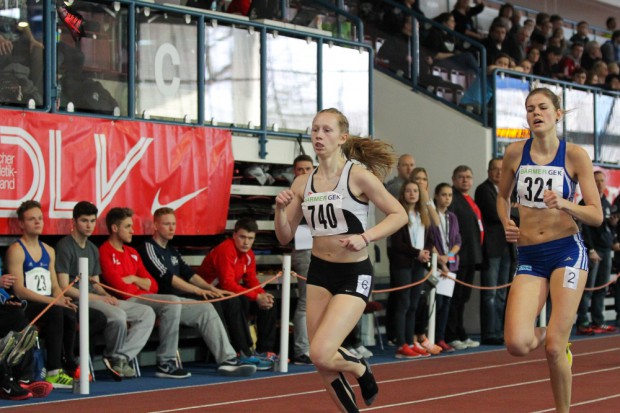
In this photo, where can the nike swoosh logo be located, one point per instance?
(7, 391)
(176, 204)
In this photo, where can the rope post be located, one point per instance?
(432, 304)
(83, 309)
(285, 314)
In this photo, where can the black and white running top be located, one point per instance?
(334, 212)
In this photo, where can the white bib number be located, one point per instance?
(324, 215)
(39, 280)
(534, 180)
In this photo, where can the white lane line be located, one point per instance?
(447, 396)
(405, 379)
(601, 399)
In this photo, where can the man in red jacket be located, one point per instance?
(231, 266)
(122, 269)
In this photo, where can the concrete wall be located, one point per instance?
(438, 137)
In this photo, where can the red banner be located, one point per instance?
(59, 160)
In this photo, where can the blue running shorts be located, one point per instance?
(541, 260)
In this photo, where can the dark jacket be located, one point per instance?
(494, 235)
(471, 249)
(400, 252)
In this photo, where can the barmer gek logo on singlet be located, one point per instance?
(324, 214)
(534, 180)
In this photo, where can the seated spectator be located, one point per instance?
(515, 21)
(123, 270)
(495, 40)
(464, 17)
(613, 68)
(591, 53)
(515, 44)
(231, 266)
(610, 50)
(241, 7)
(524, 66)
(600, 69)
(174, 276)
(612, 82)
(557, 22)
(394, 17)
(612, 26)
(583, 29)
(558, 40)
(444, 49)
(592, 79)
(538, 41)
(580, 76)
(36, 282)
(547, 66)
(506, 10)
(572, 61)
(127, 325)
(543, 26)
(533, 55)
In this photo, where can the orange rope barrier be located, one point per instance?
(193, 302)
(54, 301)
(600, 287)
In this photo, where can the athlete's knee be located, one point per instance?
(517, 346)
(554, 348)
(321, 357)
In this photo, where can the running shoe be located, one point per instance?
(569, 355)
(445, 346)
(471, 343)
(585, 331)
(168, 369)
(604, 329)
(303, 360)
(10, 390)
(16, 344)
(419, 349)
(364, 352)
(434, 349)
(458, 345)
(368, 384)
(114, 367)
(38, 389)
(260, 363)
(405, 352)
(234, 368)
(60, 380)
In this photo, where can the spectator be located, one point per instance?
(473, 95)
(463, 16)
(444, 49)
(599, 241)
(122, 342)
(409, 254)
(538, 41)
(557, 22)
(496, 264)
(36, 282)
(515, 44)
(530, 25)
(515, 22)
(558, 40)
(611, 24)
(547, 65)
(447, 243)
(610, 50)
(591, 53)
(175, 277)
(231, 266)
(572, 61)
(524, 66)
(583, 29)
(300, 261)
(543, 26)
(494, 42)
(394, 17)
(406, 164)
(592, 79)
(472, 236)
(599, 68)
(612, 82)
(353, 343)
(579, 76)
(613, 68)
(533, 55)
(123, 269)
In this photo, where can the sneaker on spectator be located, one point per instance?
(60, 380)
(303, 360)
(419, 349)
(434, 349)
(604, 328)
(114, 367)
(37, 388)
(261, 364)
(471, 343)
(445, 346)
(127, 371)
(364, 352)
(234, 368)
(11, 390)
(458, 345)
(406, 352)
(169, 369)
(585, 331)
(354, 352)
